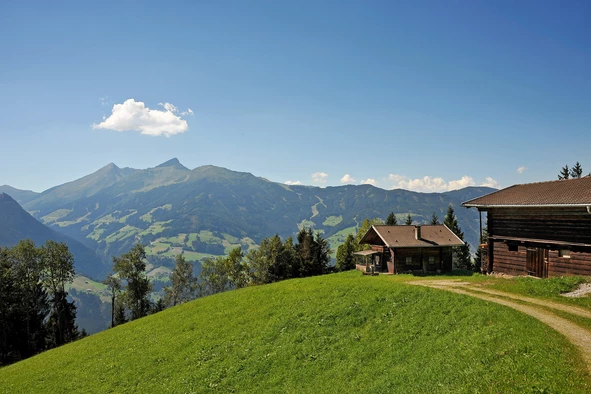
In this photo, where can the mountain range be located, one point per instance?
(17, 224)
(209, 210)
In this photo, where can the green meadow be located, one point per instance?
(334, 333)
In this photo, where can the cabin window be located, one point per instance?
(409, 260)
(431, 259)
(564, 253)
(513, 248)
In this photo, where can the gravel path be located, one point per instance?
(577, 335)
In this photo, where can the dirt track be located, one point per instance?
(577, 335)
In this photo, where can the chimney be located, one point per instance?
(417, 232)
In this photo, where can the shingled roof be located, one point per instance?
(405, 236)
(564, 193)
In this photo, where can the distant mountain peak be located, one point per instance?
(111, 166)
(173, 163)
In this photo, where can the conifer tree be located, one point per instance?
(461, 254)
(564, 173)
(345, 258)
(434, 219)
(576, 171)
(408, 221)
(391, 220)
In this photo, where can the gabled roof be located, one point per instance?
(564, 193)
(404, 236)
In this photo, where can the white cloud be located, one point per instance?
(461, 183)
(347, 179)
(319, 177)
(489, 182)
(369, 181)
(429, 184)
(169, 107)
(292, 182)
(133, 115)
(521, 169)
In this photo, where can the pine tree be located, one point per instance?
(434, 219)
(345, 258)
(408, 221)
(312, 253)
(576, 171)
(461, 254)
(391, 220)
(564, 173)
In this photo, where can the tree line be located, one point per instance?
(575, 171)
(35, 313)
(272, 261)
(461, 254)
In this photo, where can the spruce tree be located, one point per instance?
(564, 173)
(345, 258)
(391, 220)
(408, 221)
(461, 254)
(434, 219)
(576, 171)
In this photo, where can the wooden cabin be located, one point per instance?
(398, 249)
(541, 229)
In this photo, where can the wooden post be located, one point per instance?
(423, 262)
(480, 214)
(489, 267)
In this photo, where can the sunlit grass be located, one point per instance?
(335, 333)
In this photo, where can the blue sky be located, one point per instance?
(422, 95)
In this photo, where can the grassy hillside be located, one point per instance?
(335, 333)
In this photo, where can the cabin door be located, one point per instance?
(537, 262)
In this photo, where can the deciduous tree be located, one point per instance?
(183, 283)
(131, 269)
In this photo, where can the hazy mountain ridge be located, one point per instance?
(22, 196)
(17, 224)
(208, 210)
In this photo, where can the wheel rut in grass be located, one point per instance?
(577, 335)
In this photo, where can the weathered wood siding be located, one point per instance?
(514, 263)
(563, 225)
(557, 224)
(579, 263)
(441, 259)
(508, 262)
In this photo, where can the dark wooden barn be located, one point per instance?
(397, 249)
(540, 229)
